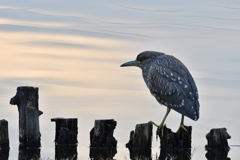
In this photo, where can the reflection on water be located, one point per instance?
(102, 153)
(70, 152)
(61, 152)
(4, 154)
(28, 153)
(72, 52)
(180, 155)
(164, 155)
(141, 154)
(66, 152)
(219, 155)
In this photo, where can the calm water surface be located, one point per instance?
(72, 51)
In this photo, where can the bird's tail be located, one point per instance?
(192, 110)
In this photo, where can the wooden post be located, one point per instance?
(217, 139)
(181, 140)
(4, 138)
(141, 138)
(32, 126)
(102, 143)
(140, 142)
(26, 100)
(66, 131)
(101, 134)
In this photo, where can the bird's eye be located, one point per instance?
(141, 60)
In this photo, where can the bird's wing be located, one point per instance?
(174, 72)
(172, 85)
(165, 87)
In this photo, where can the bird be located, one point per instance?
(170, 82)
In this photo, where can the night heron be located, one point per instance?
(170, 82)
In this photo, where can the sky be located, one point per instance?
(73, 52)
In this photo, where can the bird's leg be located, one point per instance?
(153, 123)
(162, 123)
(160, 127)
(182, 124)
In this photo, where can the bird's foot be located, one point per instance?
(153, 123)
(183, 127)
(159, 128)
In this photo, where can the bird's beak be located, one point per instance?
(131, 63)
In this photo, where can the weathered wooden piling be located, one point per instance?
(66, 131)
(26, 100)
(4, 140)
(140, 142)
(4, 137)
(217, 139)
(181, 140)
(32, 126)
(141, 138)
(102, 143)
(101, 134)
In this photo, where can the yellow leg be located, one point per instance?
(162, 123)
(182, 124)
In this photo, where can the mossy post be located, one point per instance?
(26, 100)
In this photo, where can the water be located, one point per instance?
(72, 51)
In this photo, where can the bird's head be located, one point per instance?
(142, 59)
